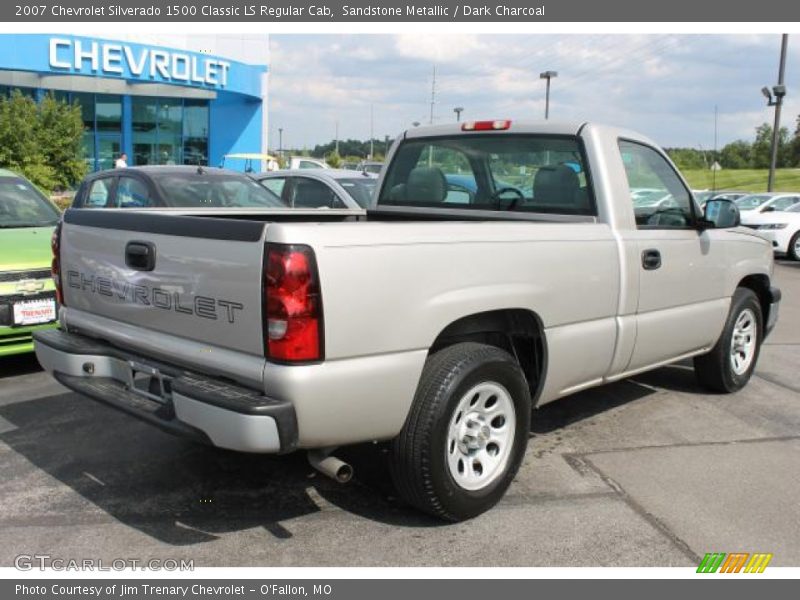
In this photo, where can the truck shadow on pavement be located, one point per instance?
(176, 491)
(19, 364)
(182, 493)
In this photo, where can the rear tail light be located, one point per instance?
(501, 125)
(293, 304)
(55, 266)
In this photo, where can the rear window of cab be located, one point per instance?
(520, 173)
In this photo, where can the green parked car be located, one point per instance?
(27, 293)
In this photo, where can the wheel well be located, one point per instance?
(759, 284)
(517, 331)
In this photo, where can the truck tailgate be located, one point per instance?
(203, 281)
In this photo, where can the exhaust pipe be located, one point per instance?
(329, 465)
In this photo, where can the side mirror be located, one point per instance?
(768, 209)
(721, 213)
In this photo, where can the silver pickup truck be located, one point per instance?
(502, 265)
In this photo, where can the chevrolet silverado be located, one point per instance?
(436, 321)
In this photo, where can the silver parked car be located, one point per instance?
(320, 188)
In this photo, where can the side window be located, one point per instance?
(310, 193)
(307, 164)
(659, 198)
(132, 193)
(99, 192)
(274, 185)
(785, 202)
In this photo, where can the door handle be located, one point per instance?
(140, 256)
(651, 259)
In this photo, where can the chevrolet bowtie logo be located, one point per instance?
(30, 286)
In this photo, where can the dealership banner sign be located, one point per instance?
(400, 11)
(62, 54)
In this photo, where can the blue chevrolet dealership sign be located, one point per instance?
(75, 55)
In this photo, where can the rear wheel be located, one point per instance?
(466, 434)
(731, 362)
(794, 247)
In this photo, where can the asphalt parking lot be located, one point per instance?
(646, 472)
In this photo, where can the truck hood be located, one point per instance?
(25, 248)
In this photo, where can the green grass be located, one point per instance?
(746, 180)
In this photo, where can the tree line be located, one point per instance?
(742, 154)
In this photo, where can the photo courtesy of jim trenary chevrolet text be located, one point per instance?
(349, 299)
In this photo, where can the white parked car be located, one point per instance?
(782, 228)
(754, 204)
(306, 162)
(371, 167)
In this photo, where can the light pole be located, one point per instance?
(547, 75)
(280, 142)
(458, 110)
(779, 91)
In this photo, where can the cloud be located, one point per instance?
(436, 48)
(664, 86)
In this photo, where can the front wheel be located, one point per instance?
(794, 247)
(466, 433)
(731, 362)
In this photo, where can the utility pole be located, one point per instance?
(337, 136)
(779, 91)
(280, 141)
(433, 92)
(371, 132)
(714, 164)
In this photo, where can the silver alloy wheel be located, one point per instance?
(797, 246)
(743, 341)
(480, 436)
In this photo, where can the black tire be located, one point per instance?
(714, 370)
(790, 251)
(418, 464)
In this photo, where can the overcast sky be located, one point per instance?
(663, 86)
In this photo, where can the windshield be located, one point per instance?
(215, 190)
(373, 168)
(543, 174)
(751, 202)
(360, 190)
(22, 205)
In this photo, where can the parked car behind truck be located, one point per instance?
(320, 188)
(27, 293)
(172, 187)
(433, 326)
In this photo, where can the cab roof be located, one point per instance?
(516, 126)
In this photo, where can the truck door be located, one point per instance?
(682, 304)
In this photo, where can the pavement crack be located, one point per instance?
(583, 455)
(649, 517)
(774, 381)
